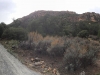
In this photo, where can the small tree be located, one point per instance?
(2, 28)
(1, 31)
(83, 34)
(15, 33)
(99, 33)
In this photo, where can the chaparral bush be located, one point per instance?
(80, 53)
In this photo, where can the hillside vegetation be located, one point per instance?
(59, 23)
(65, 35)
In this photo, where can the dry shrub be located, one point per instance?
(35, 37)
(53, 46)
(57, 47)
(80, 53)
(42, 47)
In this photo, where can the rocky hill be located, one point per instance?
(40, 14)
(88, 16)
(59, 22)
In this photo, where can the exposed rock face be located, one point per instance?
(90, 16)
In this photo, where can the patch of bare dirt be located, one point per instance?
(42, 63)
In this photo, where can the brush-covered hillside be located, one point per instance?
(59, 22)
(47, 41)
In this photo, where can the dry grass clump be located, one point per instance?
(56, 47)
(35, 37)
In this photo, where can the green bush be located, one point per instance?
(56, 51)
(42, 47)
(1, 31)
(2, 28)
(83, 33)
(15, 34)
(99, 33)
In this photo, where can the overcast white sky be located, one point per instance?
(10, 9)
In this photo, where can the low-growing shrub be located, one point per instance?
(83, 34)
(42, 47)
(56, 48)
(56, 51)
(80, 54)
(27, 45)
(11, 45)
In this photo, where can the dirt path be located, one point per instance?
(9, 65)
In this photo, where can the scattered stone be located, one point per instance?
(57, 73)
(54, 71)
(49, 69)
(37, 63)
(31, 65)
(6, 42)
(32, 59)
(44, 71)
(37, 59)
(42, 62)
(82, 73)
(43, 66)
